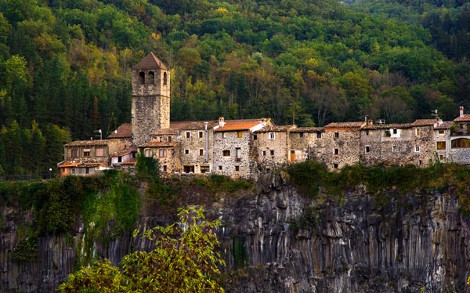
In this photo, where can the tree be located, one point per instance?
(184, 260)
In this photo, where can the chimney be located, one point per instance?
(221, 122)
(461, 111)
(370, 122)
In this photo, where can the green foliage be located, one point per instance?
(185, 259)
(221, 183)
(147, 168)
(26, 250)
(313, 178)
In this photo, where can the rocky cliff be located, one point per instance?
(277, 240)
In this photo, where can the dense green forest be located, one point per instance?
(65, 64)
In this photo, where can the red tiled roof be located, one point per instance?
(387, 126)
(192, 125)
(444, 125)
(307, 129)
(424, 122)
(124, 152)
(69, 164)
(123, 131)
(243, 124)
(131, 162)
(150, 62)
(351, 125)
(89, 142)
(464, 118)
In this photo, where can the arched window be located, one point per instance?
(460, 143)
(151, 77)
(165, 78)
(141, 77)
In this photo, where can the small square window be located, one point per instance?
(417, 149)
(165, 168)
(86, 153)
(367, 132)
(239, 134)
(367, 149)
(188, 134)
(394, 148)
(271, 135)
(418, 131)
(162, 153)
(336, 151)
(441, 131)
(201, 152)
(301, 135)
(395, 131)
(237, 168)
(263, 153)
(200, 134)
(186, 152)
(318, 134)
(271, 152)
(226, 153)
(220, 167)
(335, 165)
(255, 137)
(224, 135)
(99, 152)
(336, 134)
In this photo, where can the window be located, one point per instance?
(224, 135)
(418, 131)
(255, 137)
(99, 152)
(188, 134)
(74, 153)
(441, 157)
(367, 132)
(420, 162)
(271, 135)
(120, 159)
(188, 169)
(151, 77)
(336, 134)
(367, 149)
(239, 134)
(394, 148)
(441, 131)
(200, 134)
(205, 169)
(263, 153)
(318, 134)
(237, 168)
(271, 152)
(395, 131)
(165, 78)
(186, 152)
(165, 168)
(141, 77)
(87, 170)
(86, 152)
(336, 151)
(201, 152)
(162, 153)
(226, 153)
(301, 135)
(416, 148)
(148, 153)
(460, 143)
(441, 145)
(335, 165)
(238, 154)
(220, 167)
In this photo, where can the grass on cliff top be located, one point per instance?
(312, 178)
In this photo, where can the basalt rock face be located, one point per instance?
(279, 241)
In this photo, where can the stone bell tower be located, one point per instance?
(150, 98)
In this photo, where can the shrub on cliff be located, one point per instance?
(184, 260)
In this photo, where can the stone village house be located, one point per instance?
(244, 148)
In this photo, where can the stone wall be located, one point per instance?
(190, 148)
(231, 165)
(341, 147)
(272, 148)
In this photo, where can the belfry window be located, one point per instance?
(151, 77)
(141, 77)
(165, 78)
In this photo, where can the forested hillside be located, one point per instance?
(65, 64)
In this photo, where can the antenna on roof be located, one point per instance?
(434, 113)
(98, 133)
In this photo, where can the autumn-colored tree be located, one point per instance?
(185, 259)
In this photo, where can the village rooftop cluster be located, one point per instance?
(246, 148)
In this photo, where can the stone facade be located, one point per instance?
(306, 143)
(150, 98)
(271, 145)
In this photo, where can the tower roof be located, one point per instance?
(150, 62)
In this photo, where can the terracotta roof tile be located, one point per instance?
(465, 118)
(131, 162)
(424, 122)
(192, 125)
(444, 125)
(307, 129)
(387, 126)
(89, 142)
(150, 62)
(124, 152)
(123, 131)
(69, 164)
(243, 124)
(351, 125)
